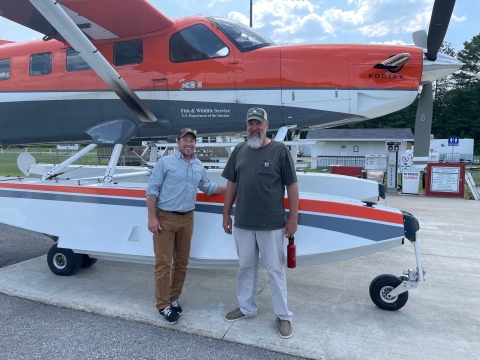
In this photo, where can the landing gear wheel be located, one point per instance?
(87, 261)
(63, 262)
(381, 286)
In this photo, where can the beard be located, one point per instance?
(254, 140)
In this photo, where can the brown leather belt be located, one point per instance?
(177, 212)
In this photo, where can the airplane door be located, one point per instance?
(157, 100)
(258, 83)
(201, 79)
(315, 84)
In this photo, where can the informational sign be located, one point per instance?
(453, 140)
(445, 179)
(375, 162)
(67, 147)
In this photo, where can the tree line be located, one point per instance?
(456, 104)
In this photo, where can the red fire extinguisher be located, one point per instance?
(291, 253)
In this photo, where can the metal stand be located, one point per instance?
(410, 277)
(57, 169)
(112, 164)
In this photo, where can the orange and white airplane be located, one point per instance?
(108, 71)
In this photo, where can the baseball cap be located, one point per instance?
(256, 113)
(186, 131)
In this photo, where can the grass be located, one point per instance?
(308, 169)
(8, 162)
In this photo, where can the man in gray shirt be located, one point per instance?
(171, 195)
(258, 172)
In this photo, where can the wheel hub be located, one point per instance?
(384, 294)
(59, 261)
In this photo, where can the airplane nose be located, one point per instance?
(444, 65)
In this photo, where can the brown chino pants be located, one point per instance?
(172, 250)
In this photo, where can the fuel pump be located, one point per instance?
(393, 148)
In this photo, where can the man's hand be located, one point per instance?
(227, 224)
(154, 225)
(290, 228)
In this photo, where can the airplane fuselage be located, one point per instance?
(307, 85)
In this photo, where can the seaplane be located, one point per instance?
(107, 72)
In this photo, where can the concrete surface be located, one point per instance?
(31, 330)
(334, 316)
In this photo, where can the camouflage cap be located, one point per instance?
(186, 131)
(257, 113)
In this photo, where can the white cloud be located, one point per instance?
(458, 19)
(236, 16)
(213, 2)
(305, 19)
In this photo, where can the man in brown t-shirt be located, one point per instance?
(258, 172)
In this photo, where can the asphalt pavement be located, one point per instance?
(31, 330)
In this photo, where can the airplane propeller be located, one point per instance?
(441, 14)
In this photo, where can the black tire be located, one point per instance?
(63, 262)
(87, 261)
(381, 286)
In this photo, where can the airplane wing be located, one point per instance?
(74, 20)
(98, 19)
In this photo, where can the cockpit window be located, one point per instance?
(245, 38)
(196, 42)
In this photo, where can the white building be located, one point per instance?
(349, 146)
(464, 148)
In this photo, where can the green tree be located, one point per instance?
(441, 88)
(469, 75)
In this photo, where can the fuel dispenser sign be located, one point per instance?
(405, 163)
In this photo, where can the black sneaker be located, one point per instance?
(169, 315)
(175, 306)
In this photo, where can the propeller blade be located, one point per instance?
(420, 38)
(423, 126)
(441, 14)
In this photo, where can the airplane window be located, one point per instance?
(244, 37)
(128, 52)
(4, 69)
(75, 61)
(196, 42)
(41, 64)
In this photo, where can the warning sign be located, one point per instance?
(405, 162)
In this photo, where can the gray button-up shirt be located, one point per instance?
(174, 182)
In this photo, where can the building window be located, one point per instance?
(355, 148)
(4, 69)
(75, 62)
(128, 52)
(41, 64)
(196, 42)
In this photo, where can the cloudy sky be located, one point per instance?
(318, 21)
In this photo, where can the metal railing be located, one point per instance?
(329, 161)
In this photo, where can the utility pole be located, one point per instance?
(251, 13)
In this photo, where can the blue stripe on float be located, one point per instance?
(72, 198)
(365, 229)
